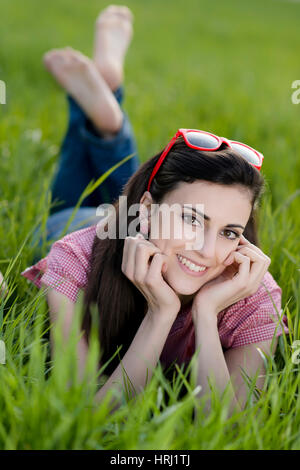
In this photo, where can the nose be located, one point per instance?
(209, 248)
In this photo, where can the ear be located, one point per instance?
(145, 212)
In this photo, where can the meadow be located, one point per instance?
(227, 67)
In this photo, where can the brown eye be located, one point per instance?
(236, 235)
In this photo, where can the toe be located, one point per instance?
(107, 11)
(69, 51)
(55, 58)
(115, 10)
(73, 56)
(126, 12)
(49, 56)
(112, 8)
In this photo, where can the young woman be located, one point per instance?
(157, 298)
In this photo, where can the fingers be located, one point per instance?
(245, 243)
(136, 253)
(252, 268)
(260, 265)
(260, 262)
(143, 253)
(245, 247)
(154, 273)
(244, 268)
(146, 274)
(124, 265)
(253, 255)
(243, 240)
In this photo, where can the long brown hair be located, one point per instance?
(120, 305)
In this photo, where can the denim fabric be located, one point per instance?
(84, 217)
(86, 155)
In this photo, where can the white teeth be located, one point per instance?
(190, 265)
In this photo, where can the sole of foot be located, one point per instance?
(113, 34)
(81, 79)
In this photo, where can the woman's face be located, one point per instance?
(227, 210)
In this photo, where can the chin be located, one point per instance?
(183, 287)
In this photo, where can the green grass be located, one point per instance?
(220, 66)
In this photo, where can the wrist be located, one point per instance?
(207, 315)
(159, 317)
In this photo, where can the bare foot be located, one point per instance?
(112, 38)
(79, 76)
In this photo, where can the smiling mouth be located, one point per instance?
(189, 266)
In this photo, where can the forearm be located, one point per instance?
(141, 357)
(82, 349)
(211, 361)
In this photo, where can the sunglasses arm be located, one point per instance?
(162, 157)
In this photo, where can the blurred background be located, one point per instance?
(226, 67)
(222, 66)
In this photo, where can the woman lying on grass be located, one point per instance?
(156, 296)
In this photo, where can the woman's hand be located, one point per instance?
(246, 266)
(143, 264)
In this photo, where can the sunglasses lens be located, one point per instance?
(247, 153)
(199, 139)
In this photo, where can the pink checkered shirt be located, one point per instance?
(250, 320)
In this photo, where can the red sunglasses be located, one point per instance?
(202, 140)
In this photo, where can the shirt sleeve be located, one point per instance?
(255, 318)
(66, 267)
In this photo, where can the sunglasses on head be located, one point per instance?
(202, 140)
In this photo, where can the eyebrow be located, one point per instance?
(208, 218)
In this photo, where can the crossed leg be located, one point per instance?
(99, 133)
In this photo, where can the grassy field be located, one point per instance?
(226, 67)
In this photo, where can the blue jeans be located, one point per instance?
(86, 155)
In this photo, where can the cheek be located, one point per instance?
(230, 250)
(167, 236)
(166, 246)
(226, 251)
